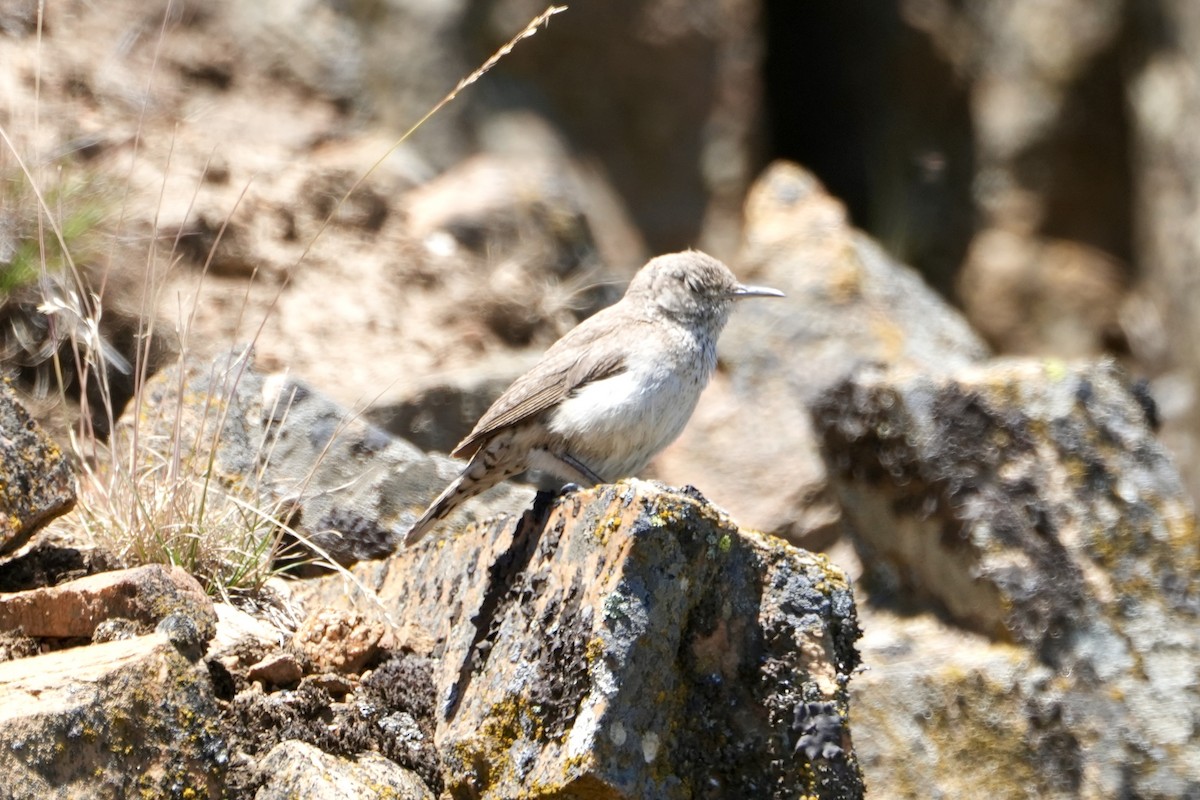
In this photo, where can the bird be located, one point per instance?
(612, 392)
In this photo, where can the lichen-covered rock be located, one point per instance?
(1029, 501)
(36, 480)
(350, 489)
(131, 718)
(750, 444)
(629, 642)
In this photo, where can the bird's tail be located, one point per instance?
(477, 477)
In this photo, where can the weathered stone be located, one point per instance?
(36, 481)
(295, 769)
(122, 719)
(339, 640)
(276, 669)
(348, 488)
(540, 209)
(142, 595)
(628, 642)
(1030, 501)
(1039, 296)
(750, 445)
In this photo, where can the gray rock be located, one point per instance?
(440, 414)
(1030, 502)
(349, 489)
(628, 642)
(37, 483)
(295, 769)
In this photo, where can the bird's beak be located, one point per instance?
(741, 291)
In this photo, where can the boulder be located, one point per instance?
(1029, 502)
(625, 641)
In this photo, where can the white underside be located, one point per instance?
(616, 425)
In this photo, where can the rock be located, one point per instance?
(50, 560)
(1041, 296)
(537, 208)
(1030, 502)
(142, 595)
(338, 640)
(750, 445)
(522, 228)
(628, 642)
(236, 630)
(941, 712)
(36, 480)
(296, 769)
(277, 669)
(683, 168)
(438, 415)
(14, 644)
(127, 718)
(350, 490)
(332, 683)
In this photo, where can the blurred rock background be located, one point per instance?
(1034, 163)
(1029, 159)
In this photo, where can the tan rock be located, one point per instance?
(122, 719)
(295, 769)
(750, 446)
(339, 640)
(144, 595)
(276, 669)
(1039, 296)
(236, 628)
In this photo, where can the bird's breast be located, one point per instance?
(617, 424)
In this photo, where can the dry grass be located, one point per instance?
(147, 496)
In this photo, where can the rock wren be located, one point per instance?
(612, 392)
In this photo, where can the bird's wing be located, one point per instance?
(587, 353)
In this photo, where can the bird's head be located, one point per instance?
(692, 286)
